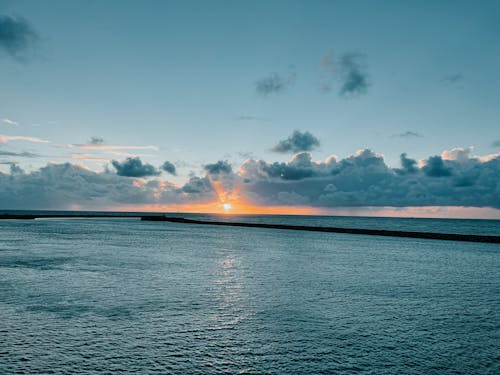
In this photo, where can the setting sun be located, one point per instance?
(227, 207)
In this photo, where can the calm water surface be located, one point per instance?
(97, 295)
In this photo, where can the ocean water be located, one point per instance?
(121, 295)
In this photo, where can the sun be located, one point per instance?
(227, 207)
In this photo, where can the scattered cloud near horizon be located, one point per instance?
(220, 167)
(95, 141)
(169, 167)
(298, 141)
(134, 167)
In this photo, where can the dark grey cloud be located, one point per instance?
(408, 134)
(297, 142)
(354, 78)
(300, 167)
(169, 168)
(496, 143)
(96, 141)
(221, 167)
(64, 186)
(17, 36)
(134, 167)
(274, 83)
(197, 185)
(408, 165)
(435, 167)
(348, 72)
(16, 169)
(453, 78)
(364, 179)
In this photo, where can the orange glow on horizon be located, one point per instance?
(222, 208)
(249, 209)
(233, 203)
(226, 203)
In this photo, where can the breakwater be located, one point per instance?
(369, 232)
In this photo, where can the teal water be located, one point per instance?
(121, 295)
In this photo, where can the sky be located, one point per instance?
(314, 107)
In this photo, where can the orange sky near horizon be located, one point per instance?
(232, 202)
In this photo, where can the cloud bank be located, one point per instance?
(68, 186)
(363, 179)
(454, 178)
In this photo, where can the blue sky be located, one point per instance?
(183, 77)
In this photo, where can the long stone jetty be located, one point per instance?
(369, 232)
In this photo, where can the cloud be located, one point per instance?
(408, 165)
(221, 167)
(9, 138)
(454, 178)
(462, 155)
(435, 167)
(17, 36)
(251, 118)
(15, 169)
(88, 157)
(297, 142)
(24, 154)
(496, 143)
(65, 186)
(274, 83)
(134, 167)
(197, 185)
(347, 71)
(169, 168)
(354, 79)
(300, 167)
(9, 121)
(107, 147)
(95, 141)
(453, 78)
(408, 134)
(363, 179)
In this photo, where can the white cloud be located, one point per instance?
(9, 121)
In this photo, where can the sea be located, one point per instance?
(120, 295)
